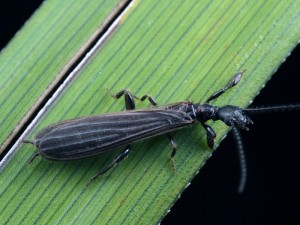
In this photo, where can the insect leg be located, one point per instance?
(150, 99)
(35, 154)
(33, 157)
(174, 146)
(210, 135)
(234, 81)
(129, 98)
(118, 159)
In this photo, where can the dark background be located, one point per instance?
(272, 192)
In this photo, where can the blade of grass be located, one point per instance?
(40, 55)
(175, 51)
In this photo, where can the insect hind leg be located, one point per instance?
(33, 157)
(118, 159)
(35, 154)
(174, 147)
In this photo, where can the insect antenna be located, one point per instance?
(242, 158)
(238, 139)
(270, 109)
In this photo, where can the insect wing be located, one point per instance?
(93, 135)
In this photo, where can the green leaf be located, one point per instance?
(173, 50)
(40, 54)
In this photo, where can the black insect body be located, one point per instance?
(89, 136)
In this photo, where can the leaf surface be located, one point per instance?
(172, 50)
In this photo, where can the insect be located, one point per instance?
(93, 135)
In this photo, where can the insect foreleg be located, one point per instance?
(210, 135)
(234, 81)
